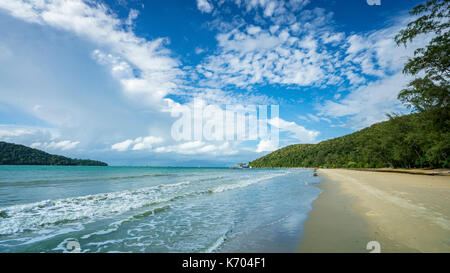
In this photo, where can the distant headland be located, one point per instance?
(14, 154)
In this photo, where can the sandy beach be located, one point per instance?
(402, 212)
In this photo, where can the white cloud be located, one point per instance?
(357, 44)
(269, 9)
(296, 131)
(40, 138)
(63, 145)
(221, 97)
(199, 147)
(204, 6)
(377, 54)
(140, 143)
(272, 8)
(314, 118)
(374, 54)
(367, 104)
(122, 146)
(7, 132)
(261, 56)
(119, 67)
(95, 22)
(132, 15)
(297, 4)
(199, 50)
(300, 50)
(26, 135)
(332, 38)
(266, 146)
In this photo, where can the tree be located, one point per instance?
(430, 90)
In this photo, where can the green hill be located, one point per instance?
(13, 154)
(407, 141)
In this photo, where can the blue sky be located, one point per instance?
(99, 79)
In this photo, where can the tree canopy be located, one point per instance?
(429, 90)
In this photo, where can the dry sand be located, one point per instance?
(403, 212)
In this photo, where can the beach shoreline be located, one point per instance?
(402, 212)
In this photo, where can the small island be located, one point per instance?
(14, 154)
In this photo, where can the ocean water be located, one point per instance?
(153, 209)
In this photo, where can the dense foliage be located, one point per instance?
(431, 64)
(401, 142)
(418, 140)
(429, 91)
(13, 154)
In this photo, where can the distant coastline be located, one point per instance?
(14, 154)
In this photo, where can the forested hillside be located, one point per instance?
(13, 154)
(401, 142)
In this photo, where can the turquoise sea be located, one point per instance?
(153, 209)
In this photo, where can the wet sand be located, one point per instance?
(402, 212)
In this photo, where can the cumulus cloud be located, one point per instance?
(302, 51)
(158, 71)
(122, 146)
(296, 131)
(204, 6)
(265, 145)
(255, 56)
(140, 143)
(288, 48)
